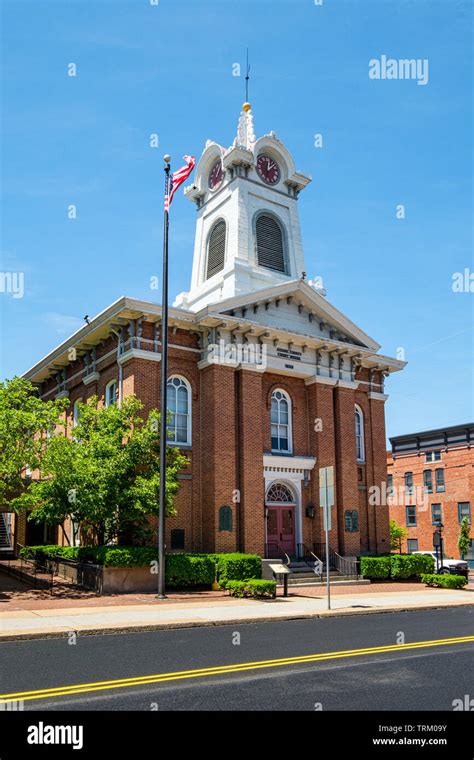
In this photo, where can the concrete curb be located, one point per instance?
(214, 623)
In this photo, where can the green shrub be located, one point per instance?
(444, 581)
(237, 567)
(375, 567)
(396, 566)
(189, 570)
(254, 588)
(181, 569)
(403, 566)
(122, 556)
(41, 553)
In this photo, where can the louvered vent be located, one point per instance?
(270, 244)
(216, 249)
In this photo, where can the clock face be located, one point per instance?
(216, 175)
(268, 169)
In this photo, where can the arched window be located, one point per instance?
(359, 429)
(179, 411)
(76, 411)
(279, 493)
(351, 520)
(281, 422)
(111, 393)
(270, 249)
(355, 521)
(216, 249)
(225, 518)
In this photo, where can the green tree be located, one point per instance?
(397, 534)
(106, 476)
(25, 423)
(464, 540)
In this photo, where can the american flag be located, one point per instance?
(176, 179)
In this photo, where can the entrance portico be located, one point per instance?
(285, 477)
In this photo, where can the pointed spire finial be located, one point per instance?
(245, 131)
(247, 77)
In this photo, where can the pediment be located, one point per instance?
(296, 308)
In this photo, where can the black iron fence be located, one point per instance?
(30, 571)
(54, 572)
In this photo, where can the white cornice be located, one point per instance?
(91, 378)
(321, 379)
(377, 396)
(285, 463)
(350, 385)
(293, 287)
(137, 353)
(127, 308)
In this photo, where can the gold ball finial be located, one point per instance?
(246, 107)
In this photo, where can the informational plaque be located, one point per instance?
(279, 569)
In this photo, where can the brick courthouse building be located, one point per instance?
(268, 382)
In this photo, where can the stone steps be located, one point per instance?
(312, 578)
(340, 580)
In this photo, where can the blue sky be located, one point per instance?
(167, 69)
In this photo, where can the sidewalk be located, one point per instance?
(147, 613)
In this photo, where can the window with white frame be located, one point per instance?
(76, 411)
(359, 428)
(179, 411)
(281, 422)
(111, 393)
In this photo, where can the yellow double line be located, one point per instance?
(122, 683)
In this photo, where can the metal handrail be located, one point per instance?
(315, 563)
(318, 565)
(346, 566)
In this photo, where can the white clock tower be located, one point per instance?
(248, 231)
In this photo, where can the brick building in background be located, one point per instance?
(268, 381)
(431, 475)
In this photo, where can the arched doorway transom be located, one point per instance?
(279, 493)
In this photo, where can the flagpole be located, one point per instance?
(163, 393)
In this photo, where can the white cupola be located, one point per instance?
(247, 231)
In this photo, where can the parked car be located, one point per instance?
(452, 566)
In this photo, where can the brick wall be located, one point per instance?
(231, 431)
(458, 467)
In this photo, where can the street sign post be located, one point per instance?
(326, 500)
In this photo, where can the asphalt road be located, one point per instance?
(366, 662)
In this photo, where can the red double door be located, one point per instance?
(281, 530)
